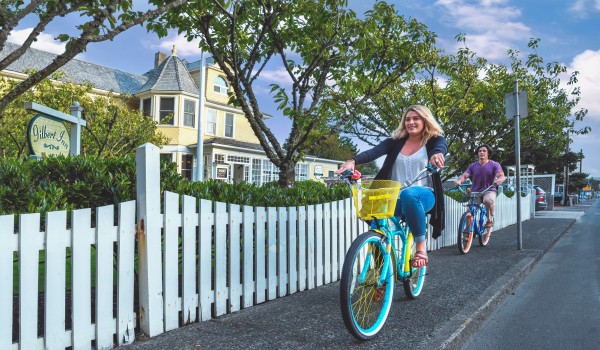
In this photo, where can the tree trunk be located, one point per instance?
(287, 174)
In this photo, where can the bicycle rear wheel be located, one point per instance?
(415, 279)
(485, 232)
(365, 302)
(465, 233)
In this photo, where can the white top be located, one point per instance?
(407, 167)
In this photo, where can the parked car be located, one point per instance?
(540, 198)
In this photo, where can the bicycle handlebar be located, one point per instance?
(475, 193)
(351, 177)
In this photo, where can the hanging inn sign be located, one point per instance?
(48, 134)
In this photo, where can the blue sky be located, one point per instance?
(569, 31)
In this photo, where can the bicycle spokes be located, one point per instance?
(367, 286)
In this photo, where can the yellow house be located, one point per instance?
(169, 93)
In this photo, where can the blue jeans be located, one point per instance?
(414, 203)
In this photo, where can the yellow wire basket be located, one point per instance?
(375, 198)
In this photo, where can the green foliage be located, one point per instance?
(66, 183)
(335, 147)
(466, 93)
(113, 129)
(333, 74)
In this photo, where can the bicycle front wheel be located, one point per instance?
(465, 233)
(414, 276)
(367, 286)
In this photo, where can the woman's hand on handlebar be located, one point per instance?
(437, 160)
(348, 165)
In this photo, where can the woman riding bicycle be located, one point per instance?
(416, 142)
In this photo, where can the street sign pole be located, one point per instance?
(516, 108)
(518, 172)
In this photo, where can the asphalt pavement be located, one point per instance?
(460, 292)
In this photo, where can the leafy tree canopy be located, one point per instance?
(467, 94)
(102, 20)
(335, 61)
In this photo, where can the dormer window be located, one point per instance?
(221, 86)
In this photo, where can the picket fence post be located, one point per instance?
(147, 162)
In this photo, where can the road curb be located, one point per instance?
(458, 329)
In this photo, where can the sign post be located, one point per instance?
(516, 108)
(46, 117)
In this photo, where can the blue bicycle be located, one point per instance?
(378, 258)
(473, 221)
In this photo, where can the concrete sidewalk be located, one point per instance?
(459, 293)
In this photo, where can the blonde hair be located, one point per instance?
(431, 127)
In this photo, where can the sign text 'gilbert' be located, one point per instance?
(48, 136)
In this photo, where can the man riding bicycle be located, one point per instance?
(485, 172)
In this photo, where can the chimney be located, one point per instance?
(159, 57)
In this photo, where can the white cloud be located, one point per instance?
(184, 48)
(583, 8)
(586, 64)
(45, 42)
(491, 26)
(278, 76)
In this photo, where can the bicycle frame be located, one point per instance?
(381, 226)
(402, 264)
(474, 208)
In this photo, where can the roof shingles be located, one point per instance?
(100, 77)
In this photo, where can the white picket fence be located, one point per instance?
(197, 259)
(80, 239)
(505, 215)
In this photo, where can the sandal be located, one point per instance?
(419, 260)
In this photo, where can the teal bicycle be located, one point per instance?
(378, 258)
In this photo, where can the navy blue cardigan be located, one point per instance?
(391, 148)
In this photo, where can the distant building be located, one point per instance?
(168, 93)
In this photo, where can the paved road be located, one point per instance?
(557, 306)
(460, 292)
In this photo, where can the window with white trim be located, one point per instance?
(167, 110)
(301, 170)
(228, 132)
(275, 171)
(189, 113)
(267, 167)
(220, 158)
(147, 106)
(211, 121)
(256, 171)
(221, 85)
(238, 159)
(187, 164)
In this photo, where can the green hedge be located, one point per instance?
(66, 183)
